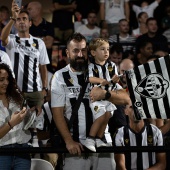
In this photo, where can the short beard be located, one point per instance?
(79, 66)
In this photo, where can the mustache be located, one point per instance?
(80, 58)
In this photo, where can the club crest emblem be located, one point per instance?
(96, 108)
(70, 80)
(153, 86)
(34, 45)
(110, 68)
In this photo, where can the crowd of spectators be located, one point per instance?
(130, 45)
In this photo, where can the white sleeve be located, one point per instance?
(90, 70)
(58, 95)
(153, 5)
(43, 54)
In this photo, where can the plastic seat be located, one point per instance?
(40, 164)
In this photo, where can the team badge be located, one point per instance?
(70, 80)
(34, 45)
(95, 70)
(153, 86)
(150, 139)
(110, 68)
(96, 108)
(126, 141)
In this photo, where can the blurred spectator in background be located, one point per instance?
(5, 17)
(63, 11)
(116, 53)
(146, 7)
(123, 36)
(142, 28)
(112, 12)
(90, 30)
(41, 28)
(145, 51)
(158, 41)
(84, 7)
(165, 23)
(104, 33)
(1, 27)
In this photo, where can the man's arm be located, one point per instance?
(127, 10)
(102, 11)
(7, 29)
(120, 162)
(58, 6)
(160, 162)
(118, 97)
(44, 77)
(48, 40)
(72, 146)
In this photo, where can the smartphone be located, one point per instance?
(24, 103)
(19, 3)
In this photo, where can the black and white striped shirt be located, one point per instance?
(129, 39)
(65, 90)
(26, 54)
(150, 135)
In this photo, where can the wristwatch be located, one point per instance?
(45, 88)
(107, 95)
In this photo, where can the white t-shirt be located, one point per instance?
(26, 54)
(148, 9)
(114, 10)
(89, 33)
(4, 58)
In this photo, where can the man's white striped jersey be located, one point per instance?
(4, 58)
(26, 54)
(65, 90)
(106, 71)
(150, 135)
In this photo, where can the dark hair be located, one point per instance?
(150, 19)
(4, 8)
(91, 12)
(122, 20)
(140, 14)
(12, 91)
(116, 47)
(77, 37)
(26, 12)
(144, 43)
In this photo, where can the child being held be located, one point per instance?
(103, 73)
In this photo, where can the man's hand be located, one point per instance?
(97, 94)
(74, 147)
(15, 9)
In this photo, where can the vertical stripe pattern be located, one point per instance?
(149, 88)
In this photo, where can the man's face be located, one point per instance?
(77, 54)
(152, 26)
(147, 51)
(124, 26)
(22, 23)
(92, 19)
(4, 15)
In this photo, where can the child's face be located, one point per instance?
(101, 54)
(144, 4)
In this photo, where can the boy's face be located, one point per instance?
(101, 54)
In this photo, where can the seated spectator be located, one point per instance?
(116, 53)
(90, 30)
(146, 7)
(5, 17)
(158, 40)
(123, 36)
(137, 133)
(142, 29)
(104, 33)
(12, 114)
(145, 51)
(165, 23)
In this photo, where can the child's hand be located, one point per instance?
(104, 82)
(115, 78)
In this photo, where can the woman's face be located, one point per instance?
(3, 81)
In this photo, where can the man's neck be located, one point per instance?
(36, 21)
(123, 35)
(137, 126)
(24, 34)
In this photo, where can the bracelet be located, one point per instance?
(13, 18)
(10, 125)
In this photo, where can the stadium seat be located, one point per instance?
(40, 164)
